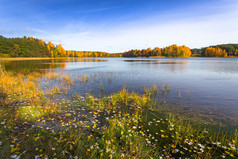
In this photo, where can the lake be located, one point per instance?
(205, 89)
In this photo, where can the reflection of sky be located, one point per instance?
(211, 81)
(206, 84)
(84, 65)
(201, 81)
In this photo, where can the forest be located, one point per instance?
(33, 47)
(72, 53)
(170, 51)
(223, 50)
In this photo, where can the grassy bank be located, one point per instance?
(34, 124)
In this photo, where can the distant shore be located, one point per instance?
(31, 58)
(48, 58)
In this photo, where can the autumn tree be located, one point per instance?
(156, 52)
(236, 52)
(170, 51)
(42, 42)
(31, 38)
(50, 48)
(63, 52)
(213, 52)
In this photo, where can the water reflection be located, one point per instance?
(205, 85)
(86, 60)
(178, 66)
(171, 66)
(28, 66)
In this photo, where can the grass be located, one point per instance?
(120, 125)
(165, 88)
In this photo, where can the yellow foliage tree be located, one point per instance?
(215, 52)
(31, 38)
(50, 48)
(176, 51)
(42, 42)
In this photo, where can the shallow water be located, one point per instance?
(208, 87)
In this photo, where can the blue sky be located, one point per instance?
(120, 25)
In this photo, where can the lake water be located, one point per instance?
(202, 88)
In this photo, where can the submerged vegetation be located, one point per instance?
(34, 123)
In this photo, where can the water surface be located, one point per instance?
(202, 88)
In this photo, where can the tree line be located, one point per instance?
(170, 51)
(223, 50)
(29, 47)
(72, 53)
(33, 47)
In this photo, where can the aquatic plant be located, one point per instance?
(101, 87)
(121, 125)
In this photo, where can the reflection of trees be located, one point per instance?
(178, 66)
(55, 63)
(140, 61)
(52, 65)
(171, 66)
(27, 66)
(20, 67)
(86, 60)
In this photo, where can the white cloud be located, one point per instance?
(194, 32)
(35, 31)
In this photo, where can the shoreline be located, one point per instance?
(48, 58)
(30, 58)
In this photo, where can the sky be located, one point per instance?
(119, 25)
